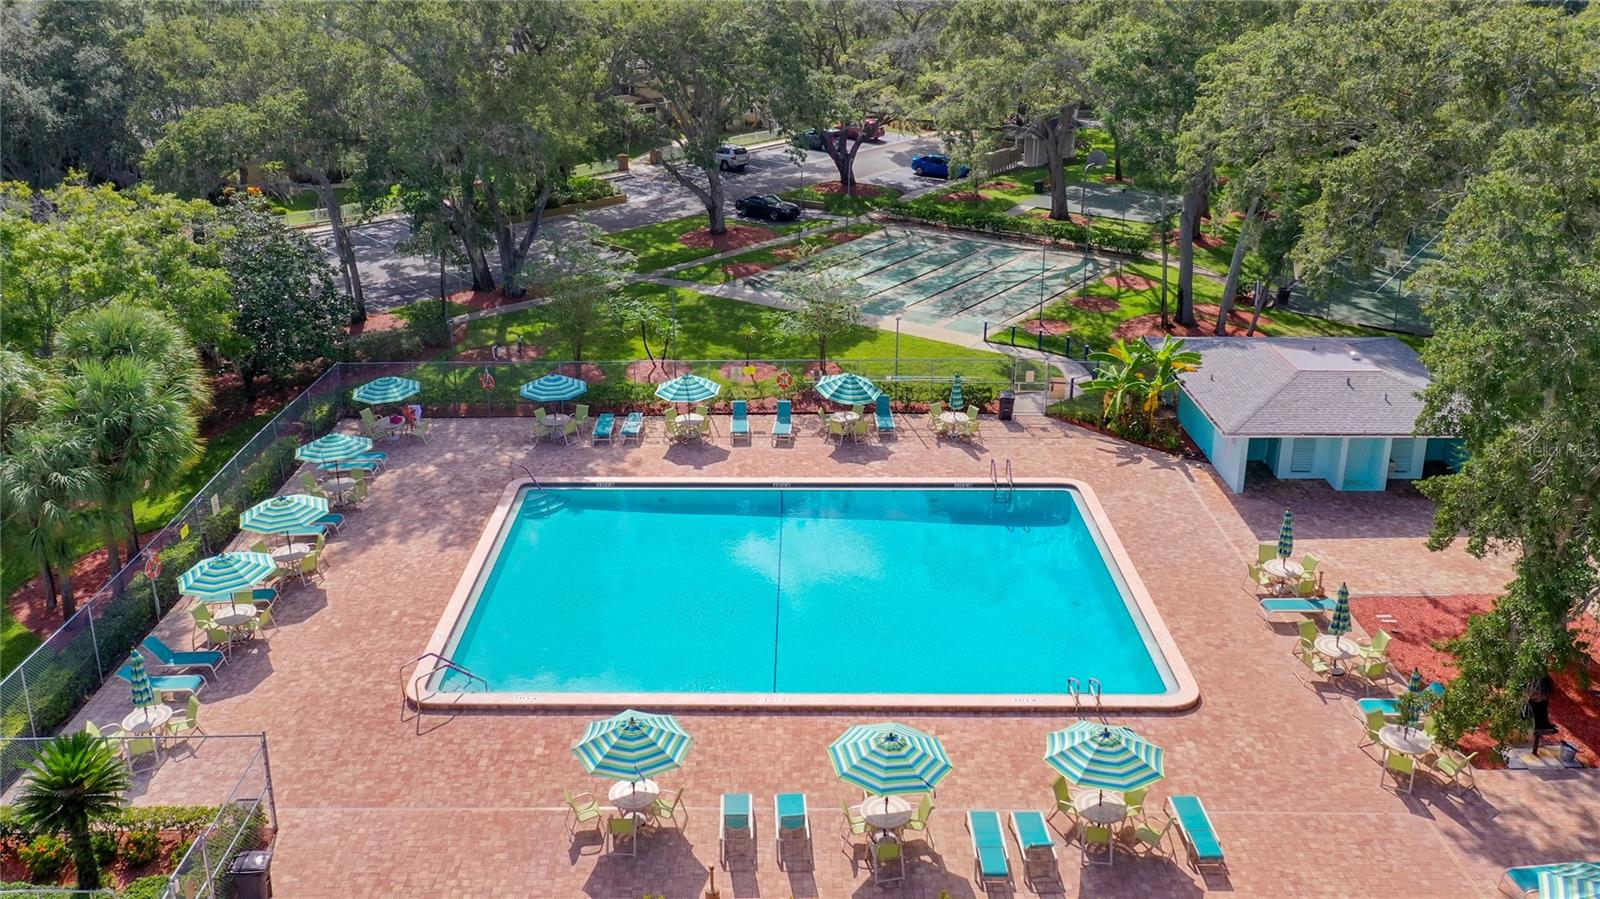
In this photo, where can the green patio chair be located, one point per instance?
(581, 415)
(263, 620)
(1148, 840)
(584, 810)
(421, 428)
(1266, 552)
(666, 807)
(1097, 835)
(888, 861)
(189, 723)
(369, 424)
(1314, 663)
(1395, 765)
(623, 828)
(835, 429)
(141, 748)
(1134, 800)
(861, 430)
(541, 429)
(1379, 647)
(1375, 720)
(569, 430)
(1309, 579)
(310, 567)
(857, 408)
(919, 820)
(935, 409)
(702, 411)
(855, 824)
(358, 494)
(308, 482)
(1449, 767)
(974, 423)
(1372, 671)
(1308, 636)
(704, 427)
(1064, 806)
(823, 425)
(260, 546)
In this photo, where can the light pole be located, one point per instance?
(1096, 160)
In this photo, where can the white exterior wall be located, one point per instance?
(1228, 456)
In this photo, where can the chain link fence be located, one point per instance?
(178, 788)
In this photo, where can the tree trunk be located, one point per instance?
(83, 859)
(47, 579)
(1056, 165)
(1260, 303)
(341, 244)
(844, 160)
(822, 353)
(514, 250)
(69, 600)
(713, 200)
(133, 533)
(459, 218)
(1116, 154)
(1231, 286)
(1187, 225)
(247, 382)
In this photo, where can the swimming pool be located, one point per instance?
(802, 594)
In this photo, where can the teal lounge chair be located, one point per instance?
(1038, 849)
(741, 421)
(183, 683)
(1524, 881)
(738, 825)
(349, 465)
(783, 427)
(885, 419)
(794, 824)
(1199, 837)
(170, 658)
(633, 427)
(1291, 606)
(991, 864)
(603, 427)
(331, 520)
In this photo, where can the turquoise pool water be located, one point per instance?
(737, 590)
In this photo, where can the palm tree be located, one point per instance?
(126, 331)
(21, 388)
(1166, 362)
(139, 430)
(1119, 378)
(75, 779)
(44, 475)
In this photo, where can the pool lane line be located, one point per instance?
(777, 597)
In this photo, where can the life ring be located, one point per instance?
(486, 381)
(785, 380)
(152, 565)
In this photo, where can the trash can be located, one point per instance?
(1008, 403)
(252, 874)
(1038, 185)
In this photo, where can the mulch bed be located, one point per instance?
(962, 196)
(375, 322)
(765, 371)
(1000, 184)
(865, 191)
(1096, 304)
(1205, 315)
(646, 372)
(737, 237)
(737, 270)
(118, 874)
(1048, 326)
(583, 371)
(88, 573)
(482, 299)
(1424, 621)
(1125, 281)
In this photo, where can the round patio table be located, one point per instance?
(1283, 573)
(1337, 649)
(953, 418)
(291, 554)
(629, 796)
(1101, 807)
(147, 720)
(1405, 740)
(845, 418)
(234, 616)
(687, 425)
(886, 812)
(339, 485)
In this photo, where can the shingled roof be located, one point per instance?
(1307, 386)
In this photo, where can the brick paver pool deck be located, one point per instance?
(472, 807)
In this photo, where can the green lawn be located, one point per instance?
(839, 204)
(658, 246)
(150, 513)
(716, 272)
(1096, 327)
(428, 307)
(714, 328)
(16, 642)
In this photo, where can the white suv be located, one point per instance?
(731, 158)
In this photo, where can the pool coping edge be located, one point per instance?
(1184, 695)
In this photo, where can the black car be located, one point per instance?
(767, 206)
(812, 140)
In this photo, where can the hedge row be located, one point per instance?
(152, 887)
(1094, 235)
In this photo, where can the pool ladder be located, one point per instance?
(529, 472)
(994, 478)
(422, 673)
(1077, 694)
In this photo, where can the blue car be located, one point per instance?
(936, 165)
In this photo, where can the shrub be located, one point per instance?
(430, 327)
(140, 846)
(580, 189)
(179, 850)
(105, 847)
(152, 887)
(385, 346)
(46, 856)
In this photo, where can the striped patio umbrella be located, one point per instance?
(386, 390)
(1286, 535)
(225, 574)
(688, 389)
(632, 746)
(1576, 880)
(1414, 685)
(143, 695)
(848, 389)
(553, 388)
(1340, 625)
(291, 514)
(955, 394)
(1103, 757)
(889, 758)
(333, 448)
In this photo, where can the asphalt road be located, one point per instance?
(391, 278)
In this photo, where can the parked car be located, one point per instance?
(871, 128)
(767, 206)
(731, 158)
(936, 165)
(812, 140)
